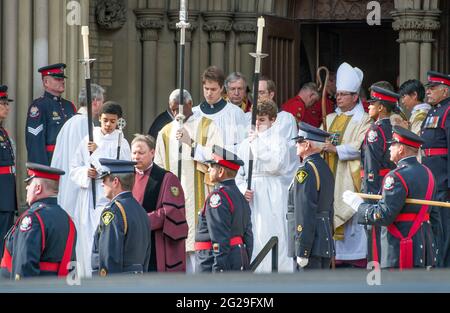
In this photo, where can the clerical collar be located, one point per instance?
(143, 172)
(214, 108)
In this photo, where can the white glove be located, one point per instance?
(352, 199)
(302, 262)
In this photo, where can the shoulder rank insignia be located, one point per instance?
(372, 136)
(34, 112)
(175, 191)
(389, 183)
(301, 176)
(215, 200)
(107, 217)
(26, 224)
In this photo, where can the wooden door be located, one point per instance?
(281, 41)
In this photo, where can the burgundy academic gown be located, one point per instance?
(164, 203)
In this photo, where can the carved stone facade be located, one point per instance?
(135, 44)
(111, 14)
(340, 9)
(416, 23)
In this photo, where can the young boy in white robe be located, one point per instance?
(85, 166)
(268, 198)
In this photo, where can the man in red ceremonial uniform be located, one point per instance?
(406, 239)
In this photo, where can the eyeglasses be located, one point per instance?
(344, 94)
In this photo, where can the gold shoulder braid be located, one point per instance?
(316, 172)
(124, 216)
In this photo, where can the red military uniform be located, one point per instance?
(296, 107)
(313, 114)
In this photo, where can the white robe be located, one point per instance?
(231, 122)
(286, 126)
(269, 204)
(86, 218)
(69, 137)
(188, 168)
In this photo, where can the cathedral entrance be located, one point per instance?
(374, 49)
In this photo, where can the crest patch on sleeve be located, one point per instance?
(215, 200)
(372, 136)
(107, 217)
(389, 183)
(301, 176)
(25, 224)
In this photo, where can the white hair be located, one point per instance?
(175, 96)
(317, 144)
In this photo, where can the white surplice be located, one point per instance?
(269, 204)
(231, 122)
(69, 137)
(86, 217)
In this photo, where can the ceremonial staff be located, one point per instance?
(258, 56)
(182, 25)
(87, 76)
(324, 93)
(121, 123)
(408, 200)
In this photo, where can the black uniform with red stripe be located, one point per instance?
(375, 156)
(436, 134)
(37, 243)
(224, 237)
(46, 116)
(396, 218)
(8, 199)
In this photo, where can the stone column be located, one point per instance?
(149, 22)
(431, 24)
(24, 87)
(217, 25)
(192, 19)
(245, 27)
(9, 60)
(40, 43)
(415, 29)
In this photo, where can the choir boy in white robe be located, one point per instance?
(105, 145)
(69, 137)
(268, 197)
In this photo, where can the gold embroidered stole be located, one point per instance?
(201, 170)
(337, 128)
